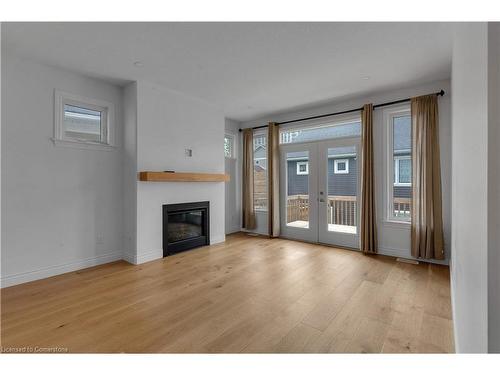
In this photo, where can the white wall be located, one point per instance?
(469, 187)
(394, 239)
(169, 122)
(64, 205)
(232, 166)
(494, 188)
(130, 171)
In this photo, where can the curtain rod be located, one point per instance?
(440, 93)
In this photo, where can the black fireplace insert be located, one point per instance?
(185, 226)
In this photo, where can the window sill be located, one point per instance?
(83, 145)
(396, 224)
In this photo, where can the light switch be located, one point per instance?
(188, 152)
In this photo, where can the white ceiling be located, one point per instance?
(247, 69)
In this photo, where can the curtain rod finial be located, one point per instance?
(441, 93)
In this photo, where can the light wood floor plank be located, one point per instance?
(249, 294)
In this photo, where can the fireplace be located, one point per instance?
(185, 226)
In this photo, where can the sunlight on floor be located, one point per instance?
(331, 227)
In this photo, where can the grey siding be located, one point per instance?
(343, 184)
(402, 191)
(297, 184)
(338, 184)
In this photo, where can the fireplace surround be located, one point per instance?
(185, 226)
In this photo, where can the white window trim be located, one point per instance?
(396, 170)
(232, 142)
(388, 114)
(108, 132)
(336, 169)
(299, 172)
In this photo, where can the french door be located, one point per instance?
(320, 192)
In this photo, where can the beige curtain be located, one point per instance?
(368, 218)
(426, 215)
(273, 178)
(248, 209)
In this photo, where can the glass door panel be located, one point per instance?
(339, 192)
(342, 187)
(298, 184)
(297, 200)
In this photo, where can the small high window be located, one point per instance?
(302, 167)
(82, 121)
(341, 166)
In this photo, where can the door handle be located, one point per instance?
(322, 200)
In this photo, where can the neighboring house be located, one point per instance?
(342, 172)
(342, 162)
(260, 172)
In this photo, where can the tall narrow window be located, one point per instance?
(229, 146)
(260, 170)
(399, 176)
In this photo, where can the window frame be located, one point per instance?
(335, 166)
(106, 108)
(389, 114)
(299, 172)
(232, 152)
(396, 162)
(261, 133)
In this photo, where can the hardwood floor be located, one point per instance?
(250, 294)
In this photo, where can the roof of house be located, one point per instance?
(327, 132)
(332, 152)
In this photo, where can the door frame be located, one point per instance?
(315, 233)
(348, 240)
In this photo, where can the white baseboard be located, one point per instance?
(405, 253)
(217, 239)
(148, 256)
(43, 273)
(144, 257)
(130, 258)
(393, 252)
(156, 254)
(233, 230)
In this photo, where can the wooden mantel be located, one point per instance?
(182, 177)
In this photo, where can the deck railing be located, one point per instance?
(297, 208)
(402, 207)
(342, 209)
